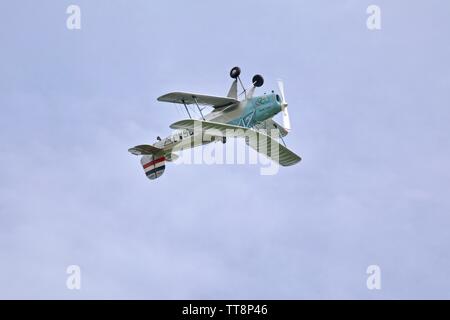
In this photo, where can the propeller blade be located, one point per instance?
(281, 89)
(286, 120)
(284, 105)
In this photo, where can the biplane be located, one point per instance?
(248, 117)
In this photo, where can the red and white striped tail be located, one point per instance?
(153, 167)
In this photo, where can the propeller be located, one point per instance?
(284, 106)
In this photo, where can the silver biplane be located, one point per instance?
(249, 118)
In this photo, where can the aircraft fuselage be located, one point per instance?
(247, 114)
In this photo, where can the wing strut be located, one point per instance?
(185, 106)
(281, 137)
(198, 107)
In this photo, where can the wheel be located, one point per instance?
(224, 139)
(258, 80)
(235, 72)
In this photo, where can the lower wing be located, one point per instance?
(258, 141)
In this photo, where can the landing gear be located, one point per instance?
(224, 140)
(258, 80)
(235, 72)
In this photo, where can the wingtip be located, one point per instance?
(134, 151)
(181, 124)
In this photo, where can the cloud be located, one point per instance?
(369, 120)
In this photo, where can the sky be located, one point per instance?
(370, 118)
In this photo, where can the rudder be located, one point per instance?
(153, 167)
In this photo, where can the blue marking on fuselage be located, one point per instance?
(257, 110)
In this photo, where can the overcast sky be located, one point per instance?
(370, 117)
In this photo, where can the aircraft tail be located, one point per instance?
(153, 166)
(153, 159)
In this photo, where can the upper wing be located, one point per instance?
(256, 140)
(190, 98)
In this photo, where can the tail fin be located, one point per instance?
(153, 166)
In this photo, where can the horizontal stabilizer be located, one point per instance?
(145, 149)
